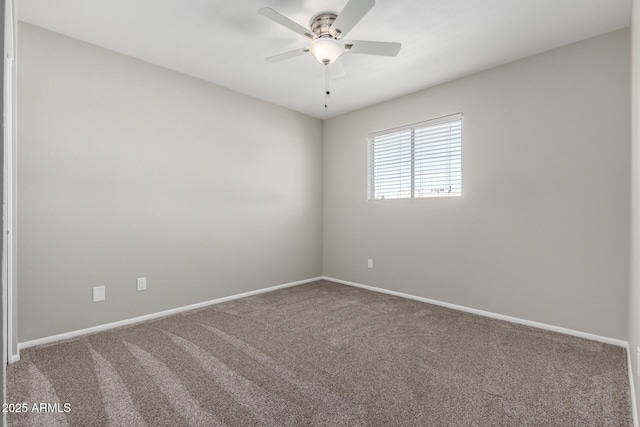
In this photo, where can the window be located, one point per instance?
(419, 160)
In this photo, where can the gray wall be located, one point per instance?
(541, 230)
(129, 170)
(634, 282)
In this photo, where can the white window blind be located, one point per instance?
(419, 160)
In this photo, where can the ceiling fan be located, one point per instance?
(326, 32)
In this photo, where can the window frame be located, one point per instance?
(450, 118)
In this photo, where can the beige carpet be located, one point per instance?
(323, 354)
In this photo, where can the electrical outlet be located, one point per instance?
(369, 263)
(98, 293)
(141, 284)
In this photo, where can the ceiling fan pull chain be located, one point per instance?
(327, 83)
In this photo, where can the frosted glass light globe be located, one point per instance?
(326, 50)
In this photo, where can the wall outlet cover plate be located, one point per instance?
(99, 293)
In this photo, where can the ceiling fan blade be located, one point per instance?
(349, 17)
(372, 48)
(287, 55)
(267, 12)
(336, 70)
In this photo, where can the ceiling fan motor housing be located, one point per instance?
(321, 23)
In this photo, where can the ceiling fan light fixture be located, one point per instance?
(326, 50)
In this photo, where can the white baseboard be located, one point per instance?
(634, 405)
(73, 334)
(606, 340)
(99, 328)
(47, 340)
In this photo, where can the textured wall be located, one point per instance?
(130, 170)
(541, 229)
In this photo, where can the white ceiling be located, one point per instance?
(226, 41)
